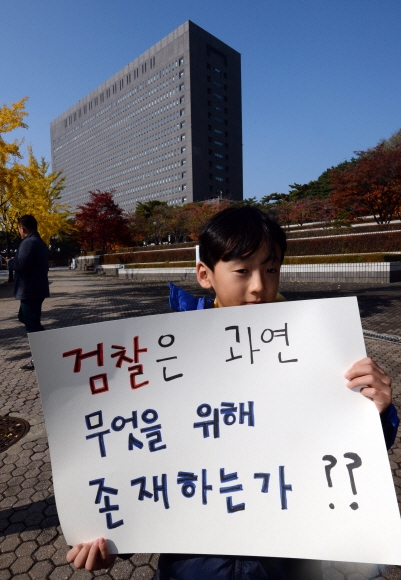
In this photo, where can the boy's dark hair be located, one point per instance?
(238, 232)
(29, 222)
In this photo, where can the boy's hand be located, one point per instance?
(376, 384)
(91, 556)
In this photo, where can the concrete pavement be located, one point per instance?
(32, 546)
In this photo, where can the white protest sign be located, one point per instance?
(219, 432)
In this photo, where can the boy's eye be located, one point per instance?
(271, 270)
(242, 271)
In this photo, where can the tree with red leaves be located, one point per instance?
(304, 210)
(197, 214)
(371, 185)
(101, 224)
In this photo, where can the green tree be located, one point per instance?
(319, 188)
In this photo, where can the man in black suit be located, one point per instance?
(31, 284)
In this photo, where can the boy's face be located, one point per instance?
(244, 281)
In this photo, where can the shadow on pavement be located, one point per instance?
(39, 515)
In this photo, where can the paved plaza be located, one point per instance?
(32, 546)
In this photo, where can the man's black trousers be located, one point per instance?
(29, 314)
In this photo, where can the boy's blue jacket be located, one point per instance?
(204, 567)
(182, 301)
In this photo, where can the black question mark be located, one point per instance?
(356, 462)
(328, 468)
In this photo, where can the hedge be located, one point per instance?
(319, 231)
(343, 258)
(190, 264)
(153, 247)
(170, 255)
(381, 242)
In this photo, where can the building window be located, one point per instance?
(182, 99)
(65, 122)
(220, 167)
(85, 109)
(80, 113)
(96, 101)
(121, 84)
(181, 61)
(218, 96)
(218, 132)
(183, 161)
(183, 137)
(184, 187)
(183, 149)
(219, 155)
(183, 174)
(180, 74)
(217, 84)
(218, 143)
(217, 71)
(107, 93)
(102, 97)
(90, 105)
(182, 125)
(128, 78)
(114, 88)
(182, 112)
(182, 87)
(219, 178)
(75, 116)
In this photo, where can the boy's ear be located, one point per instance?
(204, 275)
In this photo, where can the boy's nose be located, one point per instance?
(256, 285)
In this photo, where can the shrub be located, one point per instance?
(381, 242)
(182, 254)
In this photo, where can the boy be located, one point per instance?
(241, 252)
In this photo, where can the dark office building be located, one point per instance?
(168, 126)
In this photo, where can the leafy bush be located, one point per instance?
(343, 258)
(182, 254)
(190, 264)
(381, 242)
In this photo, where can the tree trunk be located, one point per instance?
(8, 254)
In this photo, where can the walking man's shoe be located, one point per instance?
(28, 367)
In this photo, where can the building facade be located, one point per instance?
(166, 127)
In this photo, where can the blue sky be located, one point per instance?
(320, 78)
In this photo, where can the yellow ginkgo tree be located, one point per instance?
(27, 188)
(11, 186)
(41, 197)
